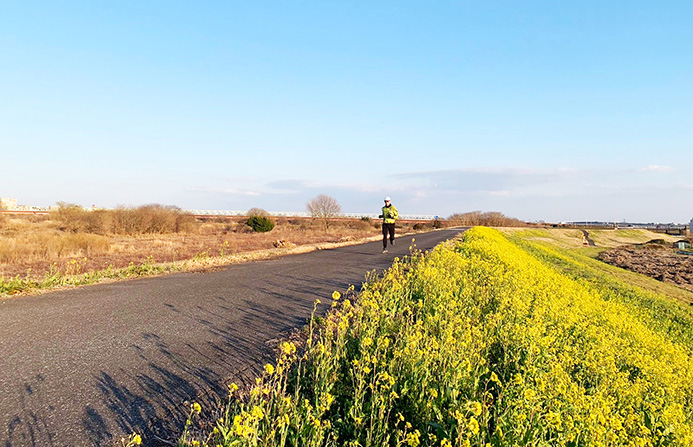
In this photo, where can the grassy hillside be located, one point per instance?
(487, 341)
(569, 238)
(569, 244)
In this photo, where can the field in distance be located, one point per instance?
(40, 252)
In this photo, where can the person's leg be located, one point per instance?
(392, 233)
(384, 236)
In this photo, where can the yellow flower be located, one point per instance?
(475, 408)
(137, 439)
(336, 295)
(257, 412)
(287, 348)
(269, 369)
(413, 438)
(233, 388)
(197, 408)
(554, 419)
(473, 426)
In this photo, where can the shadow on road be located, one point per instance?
(179, 380)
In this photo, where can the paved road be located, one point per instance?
(83, 367)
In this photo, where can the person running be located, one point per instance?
(389, 216)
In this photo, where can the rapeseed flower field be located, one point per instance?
(486, 341)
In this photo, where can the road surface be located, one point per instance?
(86, 366)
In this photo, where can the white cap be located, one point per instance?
(387, 199)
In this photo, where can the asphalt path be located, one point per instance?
(85, 366)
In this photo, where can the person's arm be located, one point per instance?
(395, 213)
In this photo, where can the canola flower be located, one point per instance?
(485, 341)
(132, 440)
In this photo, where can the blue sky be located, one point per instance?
(574, 110)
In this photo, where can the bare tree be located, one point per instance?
(324, 207)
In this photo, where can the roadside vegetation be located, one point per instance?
(73, 246)
(491, 340)
(486, 219)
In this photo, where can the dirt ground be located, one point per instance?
(657, 260)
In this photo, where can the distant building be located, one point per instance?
(8, 204)
(682, 245)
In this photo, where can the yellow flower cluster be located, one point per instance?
(485, 341)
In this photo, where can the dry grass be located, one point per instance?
(562, 237)
(614, 238)
(570, 238)
(30, 245)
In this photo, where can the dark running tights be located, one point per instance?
(388, 229)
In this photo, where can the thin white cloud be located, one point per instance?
(225, 191)
(300, 186)
(500, 193)
(656, 168)
(496, 180)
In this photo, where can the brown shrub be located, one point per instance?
(156, 219)
(488, 219)
(74, 218)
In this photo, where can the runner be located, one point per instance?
(389, 216)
